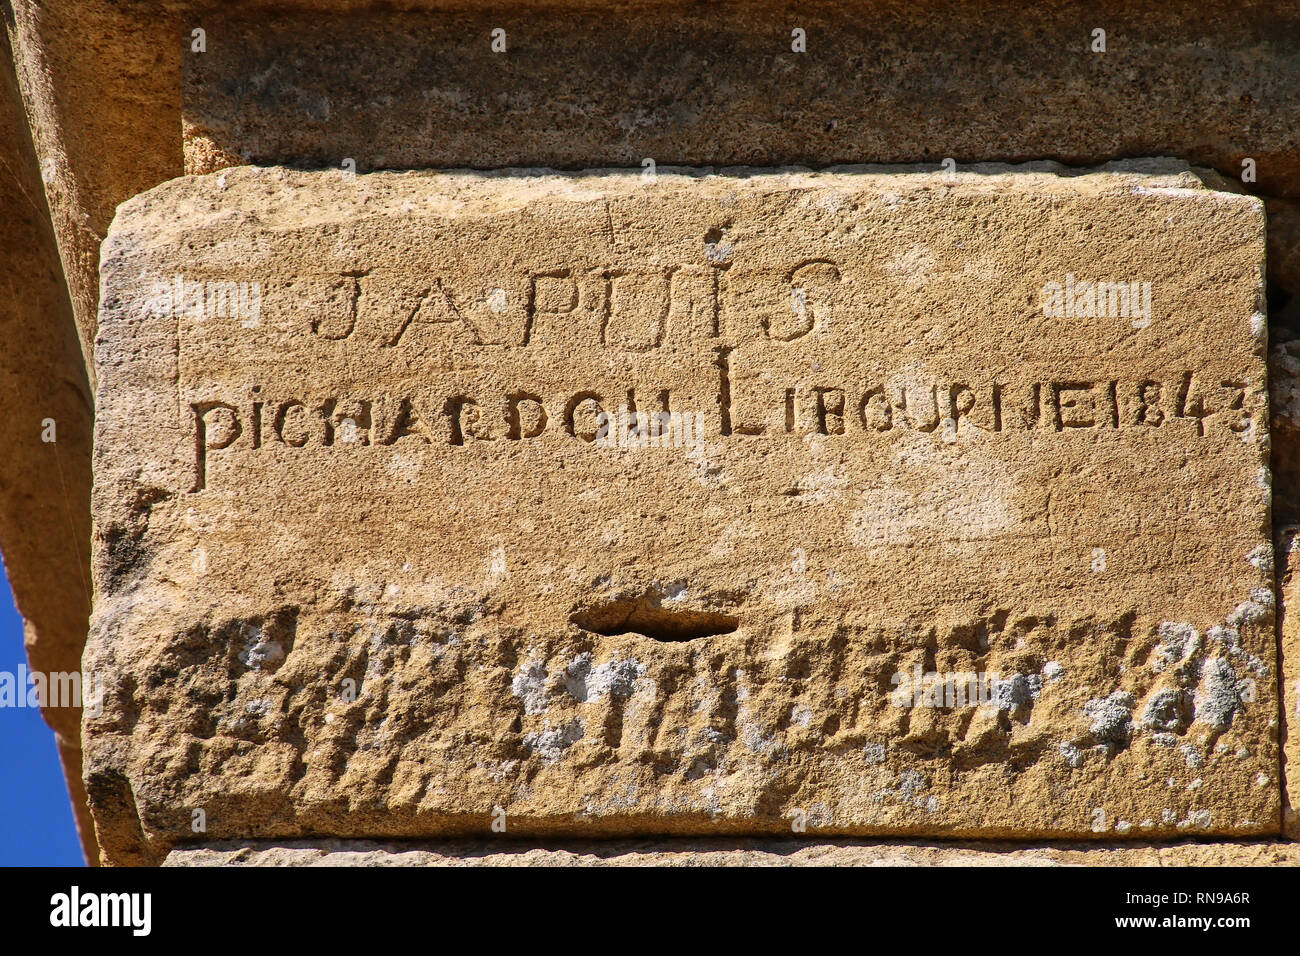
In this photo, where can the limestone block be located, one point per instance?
(433, 83)
(868, 501)
(716, 852)
(45, 437)
(1289, 656)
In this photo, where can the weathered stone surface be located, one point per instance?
(1284, 259)
(604, 84)
(386, 478)
(752, 852)
(101, 82)
(113, 87)
(1289, 657)
(44, 484)
(1284, 414)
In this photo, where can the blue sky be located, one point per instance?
(36, 824)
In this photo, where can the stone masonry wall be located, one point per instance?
(657, 420)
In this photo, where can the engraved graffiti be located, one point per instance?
(862, 411)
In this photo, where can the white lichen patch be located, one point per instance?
(910, 791)
(1112, 716)
(1261, 558)
(1070, 753)
(1178, 641)
(1199, 819)
(1192, 756)
(1218, 697)
(616, 677)
(1258, 608)
(801, 716)
(529, 685)
(259, 651)
(550, 743)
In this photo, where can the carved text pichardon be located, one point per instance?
(861, 411)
